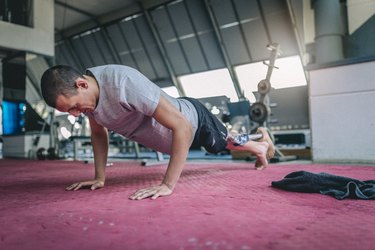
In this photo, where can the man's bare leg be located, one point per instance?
(258, 148)
(271, 149)
(266, 138)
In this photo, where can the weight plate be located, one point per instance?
(259, 112)
(264, 87)
(41, 154)
(51, 153)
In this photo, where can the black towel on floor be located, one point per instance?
(339, 187)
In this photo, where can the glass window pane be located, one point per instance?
(289, 74)
(172, 91)
(208, 84)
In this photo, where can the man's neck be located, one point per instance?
(94, 86)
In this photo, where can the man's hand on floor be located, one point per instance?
(153, 192)
(93, 184)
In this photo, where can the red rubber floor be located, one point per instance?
(214, 206)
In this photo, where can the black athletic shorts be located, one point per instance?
(211, 133)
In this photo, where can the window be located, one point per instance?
(289, 74)
(208, 84)
(172, 91)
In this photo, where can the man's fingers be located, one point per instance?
(135, 195)
(138, 193)
(72, 187)
(155, 196)
(93, 185)
(153, 192)
(143, 193)
(79, 185)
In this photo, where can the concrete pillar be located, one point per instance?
(330, 27)
(14, 77)
(38, 39)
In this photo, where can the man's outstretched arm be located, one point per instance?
(99, 141)
(167, 115)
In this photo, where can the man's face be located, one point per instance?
(82, 102)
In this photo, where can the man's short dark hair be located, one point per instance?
(58, 80)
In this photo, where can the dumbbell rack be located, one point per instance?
(260, 110)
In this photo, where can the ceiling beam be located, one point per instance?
(163, 52)
(223, 50)
(96, 21)
(65, 5)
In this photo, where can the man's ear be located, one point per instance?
(81, 83)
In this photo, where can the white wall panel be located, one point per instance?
(342, 101)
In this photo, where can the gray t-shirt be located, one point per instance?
(127, 101)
